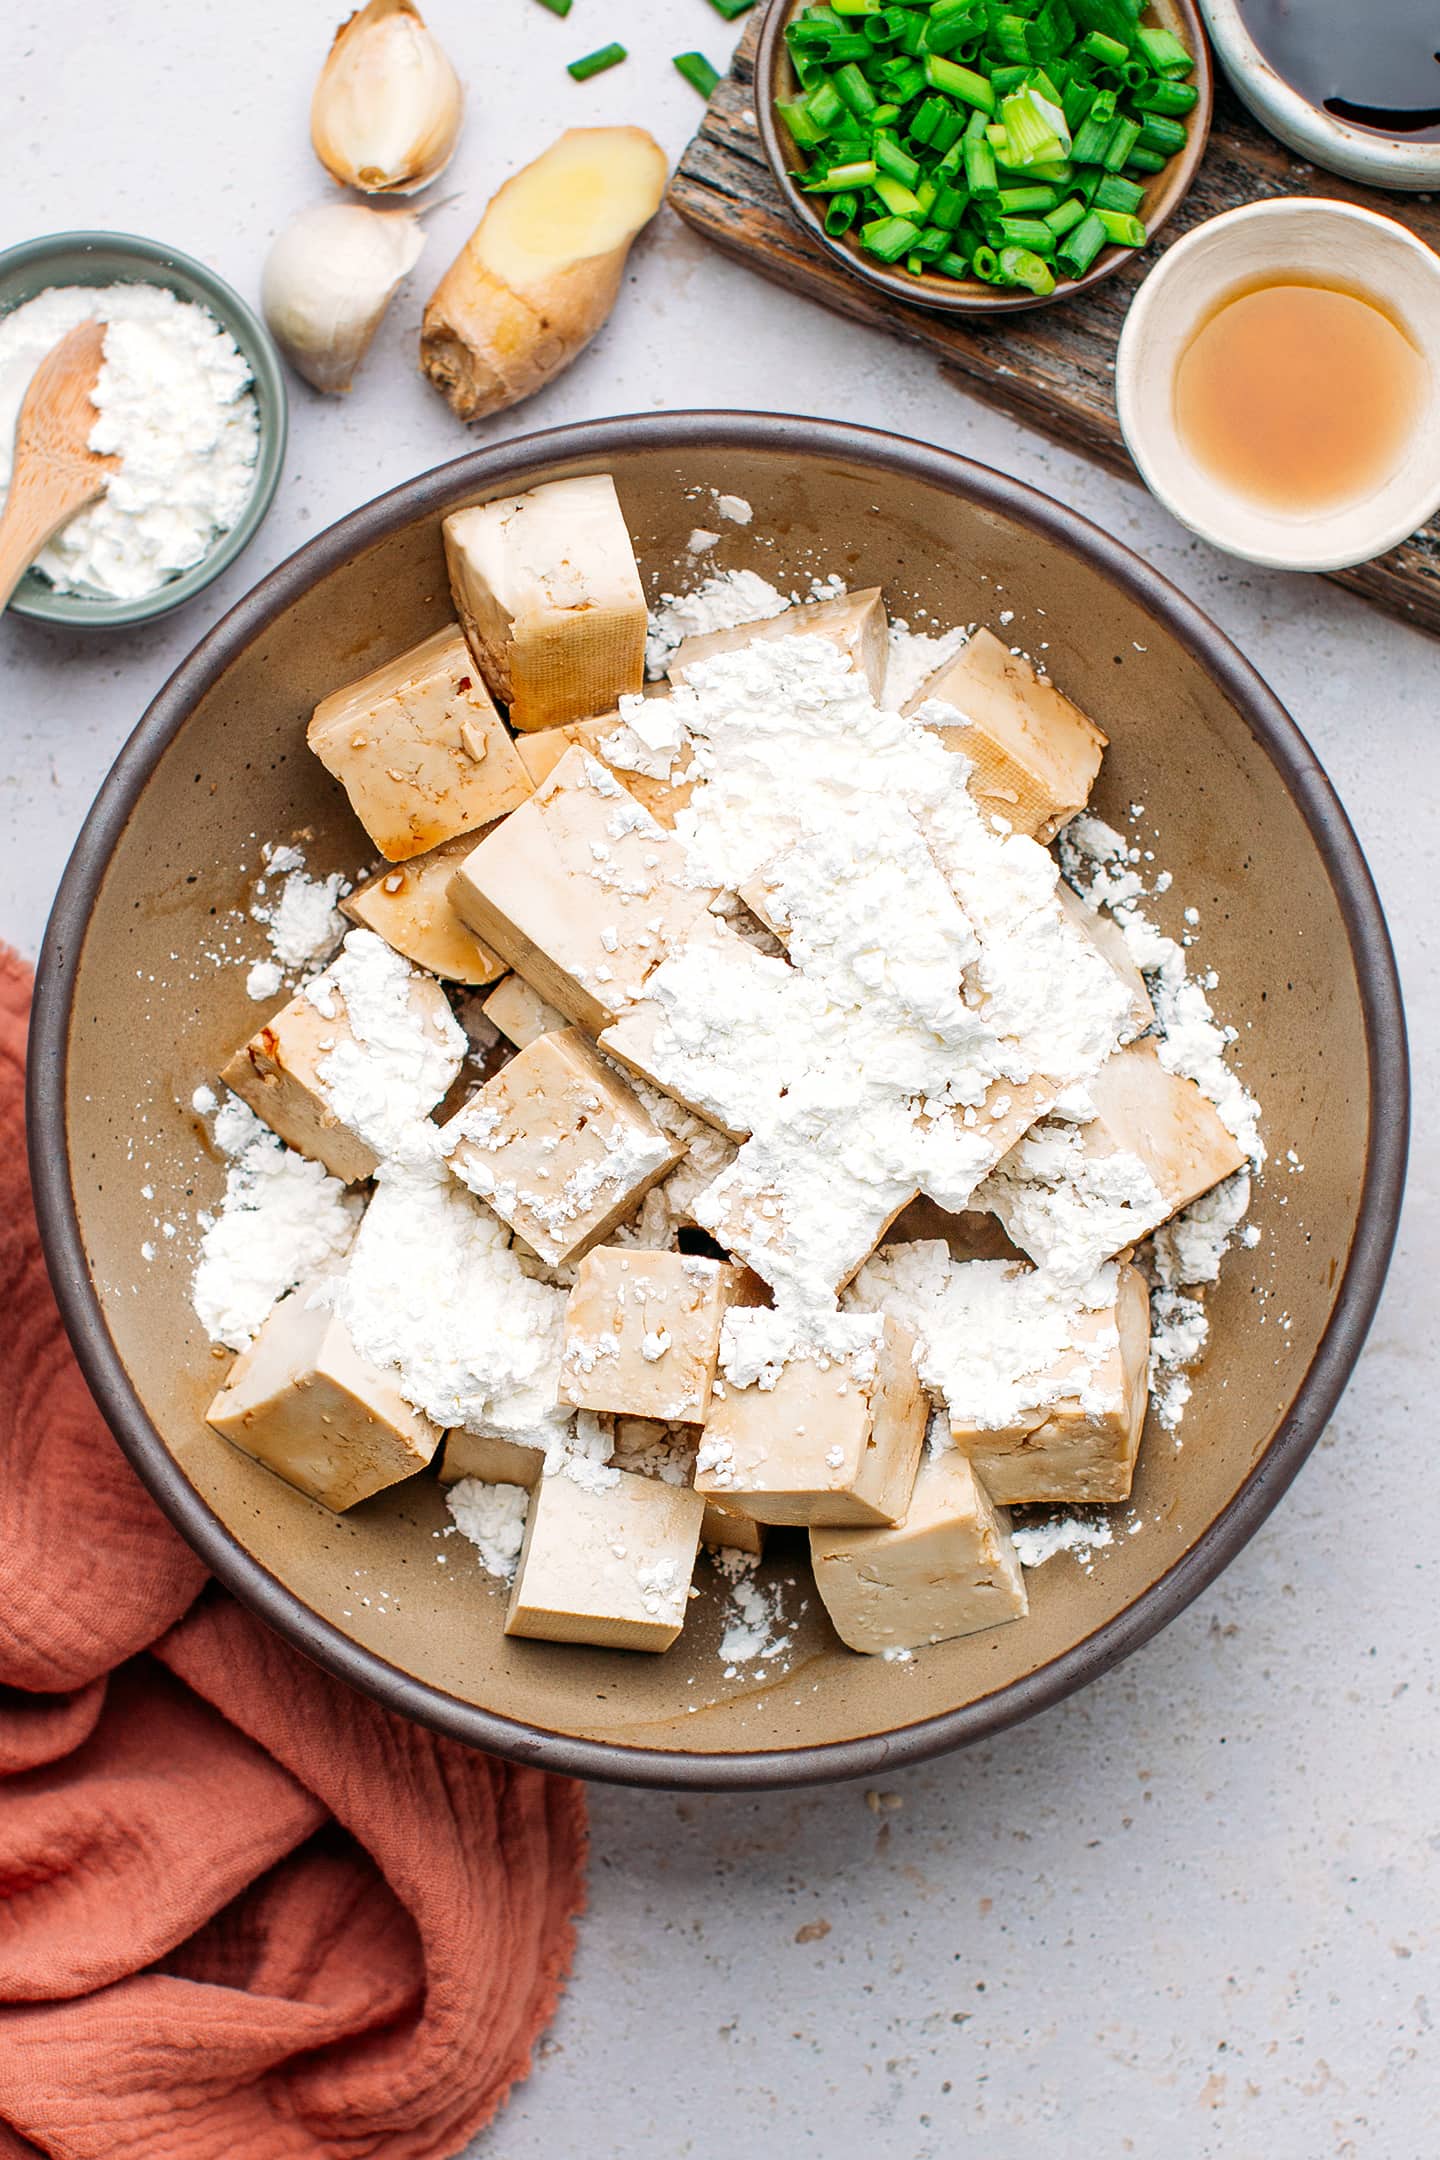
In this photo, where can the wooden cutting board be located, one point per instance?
(1052, 367)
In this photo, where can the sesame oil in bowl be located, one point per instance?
(1300, 395)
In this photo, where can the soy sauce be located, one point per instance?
(1372, 63)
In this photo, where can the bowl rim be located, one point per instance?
(948, 296)
(587, 445)
(81, 611)
(1141, 442)
(1356, 153)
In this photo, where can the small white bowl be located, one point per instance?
(1321, 242)
(1388, 161)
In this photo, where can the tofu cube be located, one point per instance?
(830, 1438)
(582, 892)
(610, 1567)
(725, 1529)
(280, 1071)
(947, 1568)
(409, 906)
(856, 622)
(547, 588)
(1072, 1195)
(611, 739)
(520, 1013)
(559, 1147)
(642, 1333)
(420, 749)
(1083, 1448)
(487, 1457)
(1106, 935)
(1034, 755)
(304, 1402)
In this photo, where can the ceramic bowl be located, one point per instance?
(1312, 240)
(124, 1030)
(1360, 153)
(101, 258)
(774, 77)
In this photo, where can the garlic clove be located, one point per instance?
(386, 112)
(327, 281)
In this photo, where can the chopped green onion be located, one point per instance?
(1108, 49)
(1019, 266)
(898, 199)
(1166, 136)
(863, 173)
(888, 238)
(595, 63)
(952, 265)
(1034, 128)
(1078, 250)
(985, 263)
(802, 129)
(1121, 228)
(1018, 199)
(1145, 161)
(1164, 52)
(893, 160)
(1065, 216)
(1123, 138)
(855, 7)
(1113, 193)
(1162, 96)
(1113, 18)
(1024, 232)
(1092, 140)
(961, 82)
(979, 166)
(841, 214)
(697, 71)
(731, 8)
(557, 7)
(857, 93)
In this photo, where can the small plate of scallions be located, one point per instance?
(982, 155)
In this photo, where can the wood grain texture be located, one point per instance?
(1051, 367)
(55, 472)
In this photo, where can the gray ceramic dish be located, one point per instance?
(1385, 161)
(130, 1014)
(101, 258)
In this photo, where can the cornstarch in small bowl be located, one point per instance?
(175, 401)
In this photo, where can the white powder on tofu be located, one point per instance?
(283, 1219)
(758, 1342)
(435, 1295)
(395, 1059)
(1070, 1208)
(492, 1517)
(996, 1343)
(913, 658)
(722, 602)
(1179, 1332)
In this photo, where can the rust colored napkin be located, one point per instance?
(245, 1914)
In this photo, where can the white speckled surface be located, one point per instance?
(1188, 1913)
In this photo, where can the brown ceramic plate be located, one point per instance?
(775, 77)
(124, 1030)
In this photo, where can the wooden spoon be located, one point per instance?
(56, 472)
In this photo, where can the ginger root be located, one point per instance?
(540, 272)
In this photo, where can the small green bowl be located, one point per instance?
(100, 258)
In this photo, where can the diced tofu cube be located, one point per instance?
(610, 1567)
(409, 906)
(487, 1457)
(282, 1071)
(559, 1147)
(1106, 935)
(582, 892)
(946, 1568)
(642, 1333)
(1034, 754)
(548, 591)
(1083, 1448)
(614, 742)
(817, 1438)
(856, 622)
(653, 1447)
(520, 1013)
(726, 1529)
(420, 749)
(1071, 1195)
(303, 1401)
(771, 1222)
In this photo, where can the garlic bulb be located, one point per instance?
(327, 281)
(386, 111)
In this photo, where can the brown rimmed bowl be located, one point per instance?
(775, 78)
(1235, 806)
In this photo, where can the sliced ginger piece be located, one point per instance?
(542, 269)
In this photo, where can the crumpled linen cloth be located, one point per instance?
(245, 1914)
